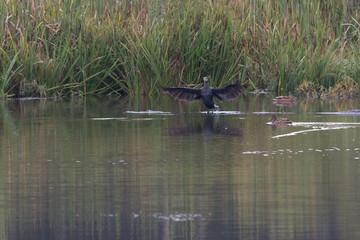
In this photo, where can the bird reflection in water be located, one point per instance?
(210, 126)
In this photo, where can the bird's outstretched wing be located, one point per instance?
(183, 94)
(229, 92)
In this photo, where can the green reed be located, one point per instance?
(67, 47)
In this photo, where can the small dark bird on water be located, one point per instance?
(206, 93)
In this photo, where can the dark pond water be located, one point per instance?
(112, 169)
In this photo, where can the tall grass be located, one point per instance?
(55, 48)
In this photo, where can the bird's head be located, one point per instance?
(272, 118)
(206, 79)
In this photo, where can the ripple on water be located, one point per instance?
(290, 153)
(106, 119)
(255, 152)
(278, 113)
(314, 129)
(176, 217)
(217, 112)
(124, 119)
(355, 112)
(324, 124)
(150, 112)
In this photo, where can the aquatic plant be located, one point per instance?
(346, 88)
(134, 47)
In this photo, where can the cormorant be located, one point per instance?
(206, 93)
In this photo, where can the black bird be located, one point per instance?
(206, 93)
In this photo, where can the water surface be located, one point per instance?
(159, 169)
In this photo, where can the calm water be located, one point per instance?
(111, 169)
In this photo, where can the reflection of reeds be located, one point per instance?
(64, 173)
(133, 47)
(285, 100)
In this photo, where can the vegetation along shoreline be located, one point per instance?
(107, 47)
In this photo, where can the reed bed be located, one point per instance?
(74, 47)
